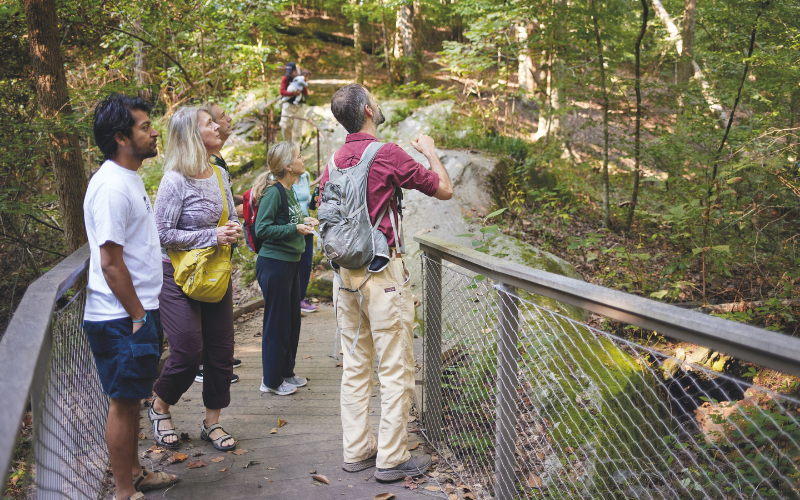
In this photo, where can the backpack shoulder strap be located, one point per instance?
(284, 201)
(370, 153)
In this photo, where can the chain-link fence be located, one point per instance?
(527, 397)
(69, 442)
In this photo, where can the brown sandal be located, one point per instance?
(163, 480)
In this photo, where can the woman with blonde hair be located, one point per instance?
(282, 228)
(188, 209)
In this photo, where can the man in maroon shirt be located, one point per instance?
(386, 313)
(289, 108)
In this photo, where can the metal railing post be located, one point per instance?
(506, 411)
(432, 331)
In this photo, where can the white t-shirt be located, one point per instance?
(117, 209)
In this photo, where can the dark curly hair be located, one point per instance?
(112, 115)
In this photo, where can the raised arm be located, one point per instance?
(425, 145)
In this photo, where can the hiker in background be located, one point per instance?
(281, 228)
(302, 191)
(387, 308)
(290, 108)
(189, 209)
(122, 307)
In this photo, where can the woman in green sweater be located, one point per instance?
(282, 228)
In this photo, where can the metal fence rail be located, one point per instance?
(45, 355)
(526, 397)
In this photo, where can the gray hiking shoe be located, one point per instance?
(295, 381)
(359, 466)
(284, 389)
(414, 466)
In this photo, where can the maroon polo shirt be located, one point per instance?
(391, 167)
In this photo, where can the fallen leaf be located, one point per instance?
(281, 423)
(384, 496)
(409, 483)
(487, 330)
(321, 478)
(433, 488)
(251, 462)
(453, 496)
(413, 447)
(185, 436)
(155, 449)
(142, 436)
(469, 495)
(240, 451)
(217, 459)
(177, 457)
(198, 454)
(223, 470)
(534, 481)
(412, 418)
(312, 472)
(306, 357)
(274, 430)
(270, 468)
(195, 465)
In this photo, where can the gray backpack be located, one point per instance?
(346, 235)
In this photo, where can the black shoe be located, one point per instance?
(199, 378)
(359, 466)
(237, 363)
(414, 466)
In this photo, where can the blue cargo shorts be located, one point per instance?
(127, 362)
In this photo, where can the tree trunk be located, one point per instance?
(685, 67)
(637, 130)
(601, 66)
(527, 84)
(387, 59)
(51, 89)
(357, 52)
(713, 102)
(406, 22)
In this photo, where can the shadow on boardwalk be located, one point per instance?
(281, 463)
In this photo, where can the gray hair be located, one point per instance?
(348, 104)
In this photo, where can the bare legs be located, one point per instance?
(122, 434)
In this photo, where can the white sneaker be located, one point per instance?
(284, 390)
(296, 381)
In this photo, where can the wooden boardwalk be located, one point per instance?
(280, 463)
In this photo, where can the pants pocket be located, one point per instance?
(138, 353)
(385, 303)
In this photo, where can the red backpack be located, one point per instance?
(251, 213)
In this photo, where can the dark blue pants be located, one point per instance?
(280, 284)
(305, 265)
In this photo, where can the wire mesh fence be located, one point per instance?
(526, 397)
(69, 443)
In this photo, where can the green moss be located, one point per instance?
(320, 288)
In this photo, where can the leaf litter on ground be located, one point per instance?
(321, 478)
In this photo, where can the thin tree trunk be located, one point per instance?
(718, 154)
(527, 84)
(407, 36)
(685, 67)
(637, 131)
(601, 66)
(51, 89)
(387, 59)
(357, 52)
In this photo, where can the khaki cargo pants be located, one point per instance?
(387, 323)
(290, 128)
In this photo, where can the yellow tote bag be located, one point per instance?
(204, 273)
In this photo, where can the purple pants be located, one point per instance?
(197, 332)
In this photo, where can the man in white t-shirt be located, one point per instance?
(121, 317)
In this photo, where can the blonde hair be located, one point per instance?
(279, 156)
(185, 151)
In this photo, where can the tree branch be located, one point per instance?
(23, 242)
(166, 54)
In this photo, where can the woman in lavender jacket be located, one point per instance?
(187, 210)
